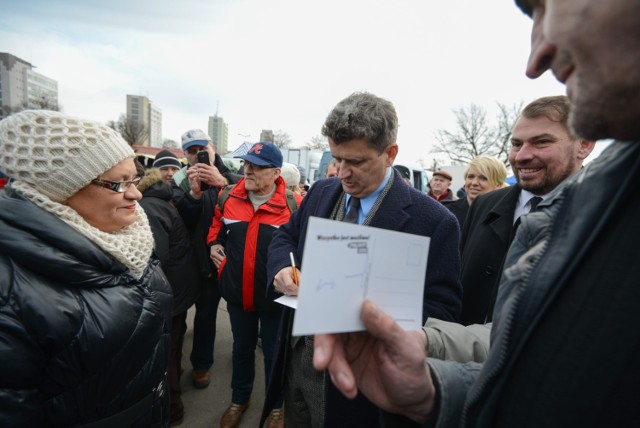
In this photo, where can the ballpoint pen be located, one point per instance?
(295, 271)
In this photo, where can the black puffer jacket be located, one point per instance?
(80, 338)
(173, 245)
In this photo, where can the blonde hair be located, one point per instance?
(490, 167)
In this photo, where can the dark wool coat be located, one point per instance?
(459, 208)
(486, 237)
(404, 209)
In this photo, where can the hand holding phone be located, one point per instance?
(203, 157)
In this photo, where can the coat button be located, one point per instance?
(488, 270)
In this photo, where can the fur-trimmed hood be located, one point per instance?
(151, 176)
(152, 185)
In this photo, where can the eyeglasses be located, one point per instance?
(194, 150)
(117, 186)
(254, 166)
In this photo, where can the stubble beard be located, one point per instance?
(603, 111)
(548, 182)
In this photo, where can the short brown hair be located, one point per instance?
(555, 108)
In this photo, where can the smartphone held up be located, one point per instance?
(203, 157)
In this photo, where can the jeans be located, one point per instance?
(244, 326)
(204, 326)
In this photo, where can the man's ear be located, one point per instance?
(585, 148)
(392, 152)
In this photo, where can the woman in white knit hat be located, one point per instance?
(291, 176)
(84, 308)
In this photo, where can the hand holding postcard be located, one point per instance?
(345, 264)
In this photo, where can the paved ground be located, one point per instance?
(204, 407)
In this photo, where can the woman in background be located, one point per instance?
(291, 176)
(484, 174)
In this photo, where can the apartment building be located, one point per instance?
(142, 111)
(219, 133)
(21, 87)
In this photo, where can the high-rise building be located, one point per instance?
(155, 132)
(141, 111)
(21, 87)
(219, 133)
(41, 91)
(266, 135)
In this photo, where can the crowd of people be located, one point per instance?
(529, 292)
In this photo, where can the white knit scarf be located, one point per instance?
(131, 245)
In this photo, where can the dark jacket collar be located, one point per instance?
(504, 205)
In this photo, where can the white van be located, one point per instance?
(321, 171)
(415, 173)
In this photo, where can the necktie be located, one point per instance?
(352, 215)
(534, 203)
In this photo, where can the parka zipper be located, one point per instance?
(532, 262)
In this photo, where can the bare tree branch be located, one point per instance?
(41, 102)
(317, 143)
(281, 139)
(475, 136)
(168, 143)
(507, 117)
(133, 132)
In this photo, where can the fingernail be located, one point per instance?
(342, 380)
(373, 310)
(318, 354)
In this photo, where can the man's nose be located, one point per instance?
(342, 172)
(542, 52)
(525, 153)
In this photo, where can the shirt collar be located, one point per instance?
(367, 202)
(523, 207)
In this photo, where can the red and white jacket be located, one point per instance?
(245, 236)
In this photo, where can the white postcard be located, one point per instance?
(344, 264)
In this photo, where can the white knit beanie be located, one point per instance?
(289, 172)
(57, 154)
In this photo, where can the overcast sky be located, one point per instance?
(277, 64)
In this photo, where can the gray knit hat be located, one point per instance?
(57, 154)
(289, 172)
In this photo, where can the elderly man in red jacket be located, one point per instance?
(239, 237)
